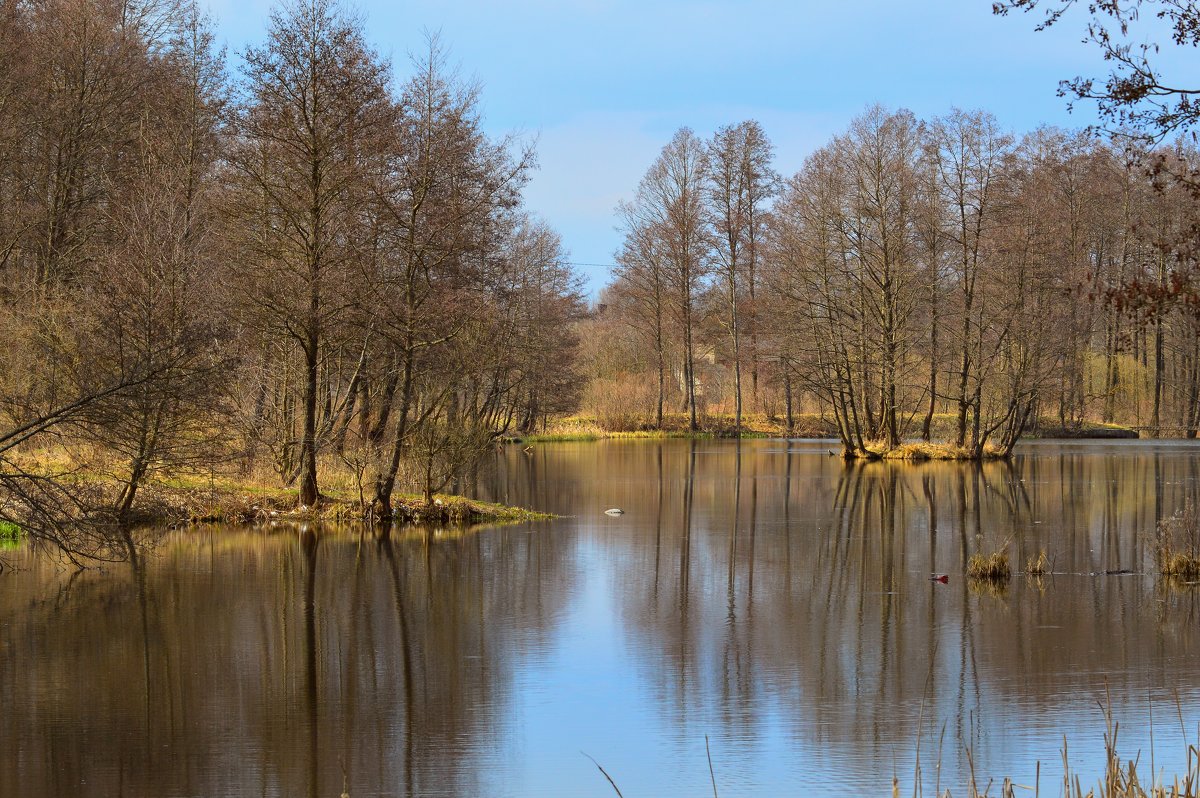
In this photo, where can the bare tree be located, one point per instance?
(316, 110)
(642, 276)
(671, 199)
(969, 153)
(1137, 96)
(741, 182)
(438, 199)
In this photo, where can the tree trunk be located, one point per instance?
(309, 494)
(385, 482)
(787, 398)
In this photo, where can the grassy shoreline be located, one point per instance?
(252, 504)
(920, 452)
(187, 498)
(808, 425)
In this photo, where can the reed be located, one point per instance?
(1179, 545)
(1121, 778)
(1037, 566)
(992, 567)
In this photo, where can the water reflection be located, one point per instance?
(762, 593)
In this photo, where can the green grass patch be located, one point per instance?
(461, 510)
(10, 535)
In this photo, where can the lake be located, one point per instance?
(766, 599)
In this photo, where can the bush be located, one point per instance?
(624, 403)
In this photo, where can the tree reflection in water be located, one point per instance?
(762, 593)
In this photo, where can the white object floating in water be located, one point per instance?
(614, 511)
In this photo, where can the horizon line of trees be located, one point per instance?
(912, 269)
(307, 263)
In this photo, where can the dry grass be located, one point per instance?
(992, 567)
(1121, 778)
(1179, 545)
(233, 498)
(1039, 565)
(920, 451)
(182, 506)
(590, 427)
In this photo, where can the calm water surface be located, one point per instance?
(768, 596)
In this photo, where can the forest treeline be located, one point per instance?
(308, 264)
(915, 279)
(298, 263)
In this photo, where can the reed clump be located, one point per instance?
(1121, 777)
(1179, 545)
(992, 567)
(1037, 566)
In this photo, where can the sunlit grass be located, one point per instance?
(587, 427)
(992, 567)
(10, 535)
(231, 497)
(921, 451)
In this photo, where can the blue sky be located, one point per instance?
(602, 84)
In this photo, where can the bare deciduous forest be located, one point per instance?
(329, 467)
(938, 279)
(303, 266)
(320, 263)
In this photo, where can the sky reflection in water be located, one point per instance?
(769, 597)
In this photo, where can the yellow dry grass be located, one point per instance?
(1039, 565)
(992, 567)
(1179, 545)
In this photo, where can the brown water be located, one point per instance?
(771, 598)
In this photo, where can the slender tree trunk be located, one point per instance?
(927, 424)
(385, 483)
(787, 397)
(377, 430)
(689, 363)
(662, 360)
(1159, 358)
(1192, 412)
(737, 360)
(964, 372)
(309, 494)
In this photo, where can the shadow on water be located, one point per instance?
(762, 593)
